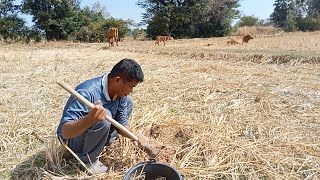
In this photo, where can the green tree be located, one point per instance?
(12, 27)
(215, 17)
(54, 17)
(248, 21)
(309, 24)
(90, 22)
(285, 14)
(189, 18)
(308, 15)
(292, 16)
(163, 17)
(279, 15)
(313, 8)
(7, 8)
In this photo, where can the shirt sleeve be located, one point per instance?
(122, 112)
(75, 110)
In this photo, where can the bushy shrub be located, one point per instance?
(309, 24)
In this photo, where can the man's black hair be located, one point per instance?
(127, 69)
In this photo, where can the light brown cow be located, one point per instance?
(232, 42)
(246, 38)
(112, 35)
(163, 39)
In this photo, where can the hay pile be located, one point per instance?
(216, 116)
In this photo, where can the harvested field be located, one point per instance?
(214, 111)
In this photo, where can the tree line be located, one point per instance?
(66, 20)
(293, 15)
(57, 20)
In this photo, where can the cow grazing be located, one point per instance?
(163, 39)
(232, 42)
(246, 38)
(112, 36)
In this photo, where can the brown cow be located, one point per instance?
(246, 38)
(170, 38)
(232, 42)
(112, 36)
(162, 38)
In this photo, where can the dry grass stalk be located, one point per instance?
(242, 31)
(258, 30)
(140, 176)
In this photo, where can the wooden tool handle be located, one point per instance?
(90, 105)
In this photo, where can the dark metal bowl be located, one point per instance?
(152, 170)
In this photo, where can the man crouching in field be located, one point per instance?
(86, 131)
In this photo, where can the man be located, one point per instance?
(85, 130)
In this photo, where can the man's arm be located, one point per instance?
(72, 129)
(122, 118)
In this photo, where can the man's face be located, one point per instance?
(125, 87)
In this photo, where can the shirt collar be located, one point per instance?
(105, 87)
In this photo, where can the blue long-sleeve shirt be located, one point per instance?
(93, 90)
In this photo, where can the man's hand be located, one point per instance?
(141, 143)
(97, 113)
(72, 129)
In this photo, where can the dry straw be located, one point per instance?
(218, 111)
(258, 30)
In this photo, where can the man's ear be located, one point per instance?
(118, 78)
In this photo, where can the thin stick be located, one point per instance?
(74, 154)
